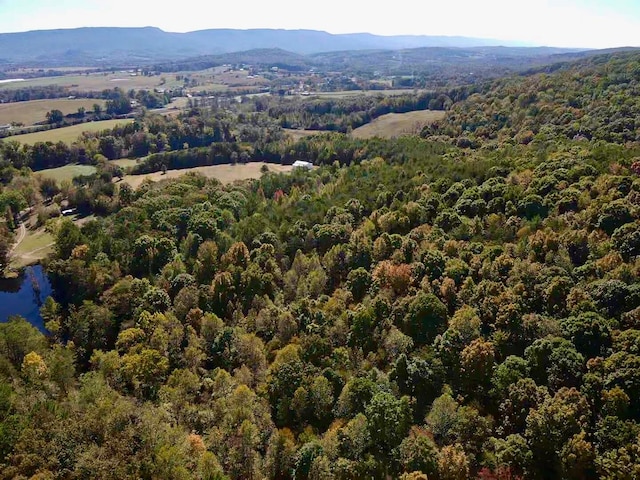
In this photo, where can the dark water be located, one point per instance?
(25, 295)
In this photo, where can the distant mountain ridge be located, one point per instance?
(108, 45)
(486, 61)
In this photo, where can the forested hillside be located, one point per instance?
(463, 305)
(596, 98)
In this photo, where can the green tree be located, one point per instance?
(555, 362)
(280, 456)
(443, 417)
(477, 361)
(49, 187)
(388, 422)
(426, 317)
(304, 459)
(552, 425)
(145, 371)
(12, 201)
(522, 397)
(55, 116)
(507, 373)
(513, 453)
(17, 338)
(5, 247)
(418, 452)
(589, 332)
(68, 236)
(358, 281)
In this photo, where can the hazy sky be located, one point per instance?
(568, 23)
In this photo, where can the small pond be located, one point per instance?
(25, 295)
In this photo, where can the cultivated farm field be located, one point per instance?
(66, 134)
(210, 80)
(224, 173)
(90, 82)
(34, 111)
(397, 124)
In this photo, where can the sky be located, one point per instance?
(561, 23)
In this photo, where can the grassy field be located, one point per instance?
(66, 134)
(396, 124)
(178, 102)
(34, 111)
(208, 87)
(173, 108)
(224, 173)
(298, 134)
(369, 93)
(67, 172)
(125, 162)
(37, 244)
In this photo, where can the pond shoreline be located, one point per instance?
(24, 294)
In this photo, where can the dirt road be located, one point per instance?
(21, 235)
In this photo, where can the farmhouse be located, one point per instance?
(302, 164)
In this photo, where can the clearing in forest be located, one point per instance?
(225, 173)
(298, 134)
(32, 247)
(67, 172)
(397, 124)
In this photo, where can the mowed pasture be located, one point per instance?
(67, 172)
(35, 111)
(66, 134)
(224, 173)
(397, 124)
(125, 162)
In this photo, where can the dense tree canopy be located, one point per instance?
(412, 308)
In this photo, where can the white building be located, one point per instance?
(302, 164)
